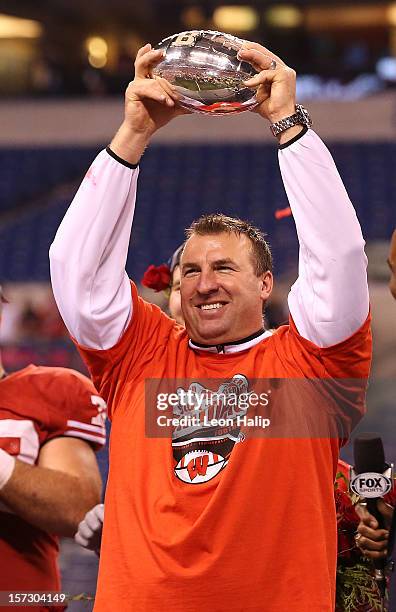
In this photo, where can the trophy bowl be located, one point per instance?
(204, 68)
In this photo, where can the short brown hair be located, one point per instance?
(217, 223)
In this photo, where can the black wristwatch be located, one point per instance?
(300, 117)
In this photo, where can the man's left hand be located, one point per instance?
(276, 83)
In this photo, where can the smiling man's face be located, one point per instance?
(222, 298)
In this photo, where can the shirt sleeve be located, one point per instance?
(88, 255)
(329, 301)
(82, 413)
(126, 361)
(338, 373)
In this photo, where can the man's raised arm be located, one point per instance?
(329, 301)
(88, 255)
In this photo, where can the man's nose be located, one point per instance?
(207, 282)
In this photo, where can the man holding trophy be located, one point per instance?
(216, 519)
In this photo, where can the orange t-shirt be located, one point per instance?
(223, 523)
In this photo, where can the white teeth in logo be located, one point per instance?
(211, 306)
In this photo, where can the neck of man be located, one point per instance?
(255, 330)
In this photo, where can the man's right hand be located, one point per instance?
(150, 103)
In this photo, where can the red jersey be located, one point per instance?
(38, 404)
(222, 521)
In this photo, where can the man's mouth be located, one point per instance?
(214, 306)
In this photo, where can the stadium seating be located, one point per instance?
(26, 174)
(176, 186)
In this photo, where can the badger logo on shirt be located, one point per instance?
(203, 441)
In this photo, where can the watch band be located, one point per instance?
(300, 117)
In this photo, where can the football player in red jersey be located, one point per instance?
(51, 423)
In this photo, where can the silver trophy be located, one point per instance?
(204, 68)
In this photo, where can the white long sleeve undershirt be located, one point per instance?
(328, 302)
(88, 255)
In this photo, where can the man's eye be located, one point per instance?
(190, 272)
(224, 268)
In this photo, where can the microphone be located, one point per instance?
(371, 478)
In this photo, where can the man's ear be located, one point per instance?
(267, 283)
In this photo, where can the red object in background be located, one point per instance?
(157, 277)
(283, 212)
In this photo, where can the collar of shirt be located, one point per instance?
(232, 347)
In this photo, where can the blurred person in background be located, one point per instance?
(167, 543)
(357, 588)
(41, 322)
(52, 422)
(30, 324)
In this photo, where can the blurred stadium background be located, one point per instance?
(63, 69)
